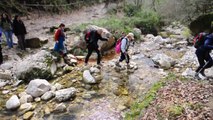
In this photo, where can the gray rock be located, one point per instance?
(2, 84)
(26, 98)
(88, 78)
(58, 86)
(13, 103)
(39, 65)
(137, 31)
(38, 99)
(48, 95)
(38, 87)
(94, 70)
(5, 74)
(60, 108)
(65, 94)
(26, 107)
(164, 61)
(188, 73)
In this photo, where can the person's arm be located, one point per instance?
(123, 45)
(208, 43)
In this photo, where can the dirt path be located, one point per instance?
(39, 26)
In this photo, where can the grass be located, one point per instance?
(138, 107)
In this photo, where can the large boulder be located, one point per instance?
(65, 94)
(35, 42)
(13, 103)
(164, 61)
(106, 34)
(40, 65)
(38, 87)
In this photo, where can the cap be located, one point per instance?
(131, 35)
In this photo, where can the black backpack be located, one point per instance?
(199, 39)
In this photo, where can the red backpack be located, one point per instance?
(87, 37)
(57, 34)
(199, 39)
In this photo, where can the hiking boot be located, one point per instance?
(85, 64)
(202, 73)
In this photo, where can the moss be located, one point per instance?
(175, 110)
(186, 32)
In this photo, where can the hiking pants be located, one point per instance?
(203, 57)
(91, 48)
(1, 56)
(21, 41)
(9, 37)
(124, 57)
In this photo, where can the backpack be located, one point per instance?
(199, 39)
(118, 45)
(87, 37)
(57, 35)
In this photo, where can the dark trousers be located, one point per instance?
(124, 57)
(21, 41)
(203, 57)
(90, 50)
(1, 56)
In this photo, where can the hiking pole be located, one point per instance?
(203, 67)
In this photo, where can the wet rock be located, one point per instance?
(88, 78)
(38, 87)
(48, 95)
(39, 65)
(26, 98)
(5, 74)
(65, 94)
(60, 108)
(28, 115)
(13, 103)
(164, 61)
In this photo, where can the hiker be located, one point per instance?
(1, 56)
(203, 55)
(20, 31)
(125, 43)
(59, 40)
(7, 29)
(92, 44)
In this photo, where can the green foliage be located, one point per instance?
(175, 110)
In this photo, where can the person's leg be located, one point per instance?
(11, 38)
(1, 56)
(19, 41)
(7, 38)
(201, 60)
(90, 49)
(23, 42)
(98, 55)
(122, 57)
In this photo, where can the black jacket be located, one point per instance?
(94, 37)
(19, 28)
(208, 44)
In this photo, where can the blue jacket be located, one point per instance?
(208, 44)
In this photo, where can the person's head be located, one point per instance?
(99, 31)
(62, 26)
(17, 17)
(130, 36)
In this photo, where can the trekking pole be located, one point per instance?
(203, 67)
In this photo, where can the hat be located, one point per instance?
(131, 35)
